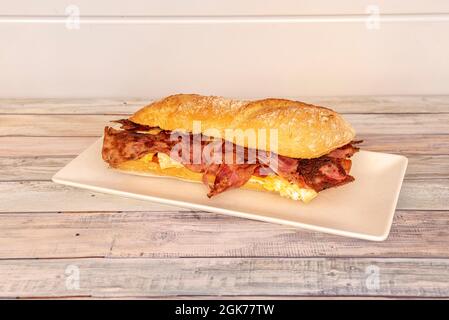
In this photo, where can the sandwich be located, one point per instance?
(275, 145)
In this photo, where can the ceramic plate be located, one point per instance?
(362, 209)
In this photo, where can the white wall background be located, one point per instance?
(161, 53)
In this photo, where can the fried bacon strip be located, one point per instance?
(128, 125)
(231, 176)
(121, 145)
(327, 171)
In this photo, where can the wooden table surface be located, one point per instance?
(58, 241)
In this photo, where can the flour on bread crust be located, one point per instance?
(304, 131)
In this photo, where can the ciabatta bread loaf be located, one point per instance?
(303, 130)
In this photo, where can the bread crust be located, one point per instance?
(303, 130)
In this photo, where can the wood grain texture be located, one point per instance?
(31, 168)
(72, 146)
(92, 125)
(427, 167)
(43, 146)
(357, 104)
(161, 251)
(46, 196)
(407, 144)
(224, 276)
(202, 234)
(424, 195)
(38, 196)
(71, 106)
(246, 297)
(384, 104)
(44, 167)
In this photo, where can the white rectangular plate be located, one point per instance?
(362, 209)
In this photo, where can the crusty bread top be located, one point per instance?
(303, 130)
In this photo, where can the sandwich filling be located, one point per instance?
(289, 175)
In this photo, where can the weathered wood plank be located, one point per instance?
(43, 196)
(356, 104)
(39, 196)
(54, 125)
(225, 276)
(245, 297)
(427, 167)
(30, 168)
(71, 146)
(74, 106)
(202, 234)
(384, 104)
(47, 196)
(424, 195)
(43, 168)
(407, 144)
(399, 123)
(91, 225)
(92, 125)
(43, 146)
